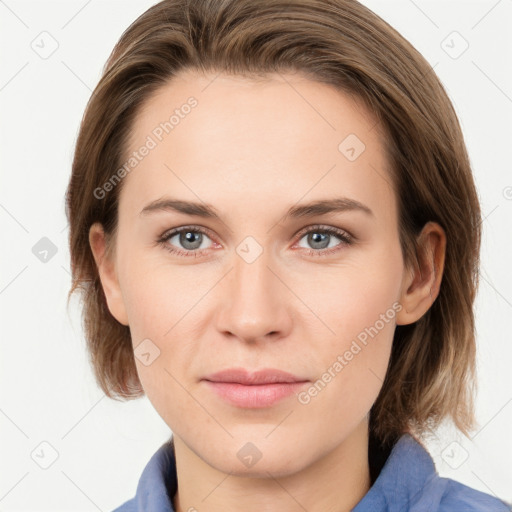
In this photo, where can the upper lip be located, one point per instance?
(243, 376)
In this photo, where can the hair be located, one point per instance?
(431, 372)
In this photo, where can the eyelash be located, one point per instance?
(345, 238)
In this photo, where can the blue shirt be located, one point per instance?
(407, 482)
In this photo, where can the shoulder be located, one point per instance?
(127, 506)
(457, 496)
(409, 482)
(440, 493)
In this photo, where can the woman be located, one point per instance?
(276, 232)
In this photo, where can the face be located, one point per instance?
(264, 283)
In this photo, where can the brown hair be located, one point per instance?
(431, 373)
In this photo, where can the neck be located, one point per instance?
(334, 482)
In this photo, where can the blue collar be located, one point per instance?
(408, 482)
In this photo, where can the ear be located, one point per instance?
(421, 284)
(107, 273)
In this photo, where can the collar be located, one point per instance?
(407, 482)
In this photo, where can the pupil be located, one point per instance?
(319, 240)
(190, 237)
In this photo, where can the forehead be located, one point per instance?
(217, 138)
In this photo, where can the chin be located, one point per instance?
(252, 460)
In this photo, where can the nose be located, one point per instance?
(254, 302)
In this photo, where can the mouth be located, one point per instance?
(259, 389)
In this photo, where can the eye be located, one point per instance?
(190, 238)
(320, 238)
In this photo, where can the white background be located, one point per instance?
(47, 390)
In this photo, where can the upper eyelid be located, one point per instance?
(176, 231)
(323, 227)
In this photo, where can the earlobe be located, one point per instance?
(421, 284)
(107, 273)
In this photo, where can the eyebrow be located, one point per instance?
(319, 207)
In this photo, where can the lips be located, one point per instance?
(254, 390)
(247, 378)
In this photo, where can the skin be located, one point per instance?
(252, 150)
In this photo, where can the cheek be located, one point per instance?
(354, 299)
(354, 363)
(359, 303)
(154, 297)
(160, 302)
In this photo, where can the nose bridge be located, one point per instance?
(253, 304)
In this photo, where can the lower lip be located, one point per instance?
(254, 396)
